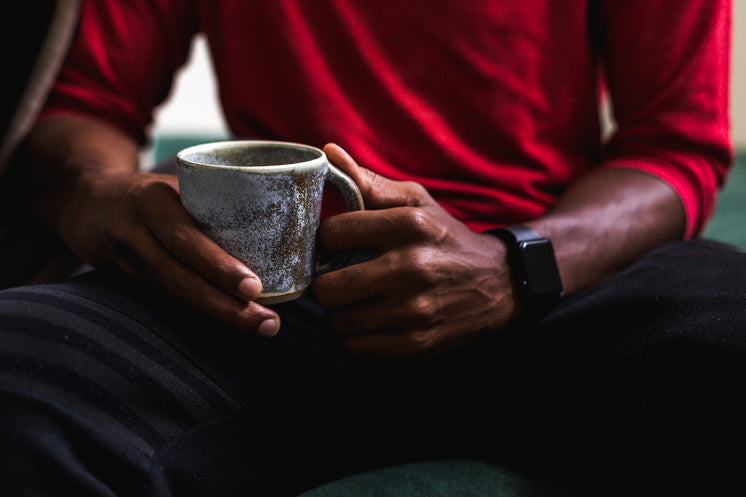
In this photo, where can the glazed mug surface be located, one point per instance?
(261, 202)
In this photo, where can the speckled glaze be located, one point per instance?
(261, 202)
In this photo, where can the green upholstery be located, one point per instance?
(461, 478)
(728, 224)
(167, 145)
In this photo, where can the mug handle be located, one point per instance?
(354, 201)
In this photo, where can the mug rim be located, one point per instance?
(224, 144)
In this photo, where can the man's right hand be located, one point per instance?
(109, 213)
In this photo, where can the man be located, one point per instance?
(453, 120)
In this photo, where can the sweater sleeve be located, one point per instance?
(666, 67)
(122, 61)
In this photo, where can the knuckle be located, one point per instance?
(408, 266)
(415, 193)
(148, 193)
(416, 220)
(420, 260)
(178, 239)
(423, 224)
(421, 341)
(137, 194)
(421, 266)
(420, 308)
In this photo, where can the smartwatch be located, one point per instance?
(534, 268)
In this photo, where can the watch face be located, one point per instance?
(541, 276)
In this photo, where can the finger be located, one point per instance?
(378, 191)
(149, 260)
(380, 229)
(393, 343)
(170, 179)
(353, 283)
(391, 272)
(175, 229)
(380, 313)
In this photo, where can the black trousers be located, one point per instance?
(109, 388)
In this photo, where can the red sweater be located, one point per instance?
(491, 105)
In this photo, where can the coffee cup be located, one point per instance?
(261, 202)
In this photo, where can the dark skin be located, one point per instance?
(433, 286)
(437, 284)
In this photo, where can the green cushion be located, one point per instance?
(728, 222)
(463, 478)
(166, 146)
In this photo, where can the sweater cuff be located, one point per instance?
(696, 185)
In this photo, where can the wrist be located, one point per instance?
(534, 270)
(505, 304)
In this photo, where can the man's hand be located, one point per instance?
(90, 192)
(433, 285)
(136, 221)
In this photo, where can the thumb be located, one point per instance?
(378, 191)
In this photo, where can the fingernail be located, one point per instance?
(269, 327)
(249, 288)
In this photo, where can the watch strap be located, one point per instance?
(516, 234)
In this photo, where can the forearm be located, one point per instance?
(62, 156)
(81, 177)
(606, 220)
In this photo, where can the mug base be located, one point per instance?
(278, 298)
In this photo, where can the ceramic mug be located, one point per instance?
(261, 202)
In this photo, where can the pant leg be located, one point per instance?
(655, 359)
(109, 388)
(632, 387)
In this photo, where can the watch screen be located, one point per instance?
(540, 266)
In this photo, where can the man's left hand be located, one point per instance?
(433, 284)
